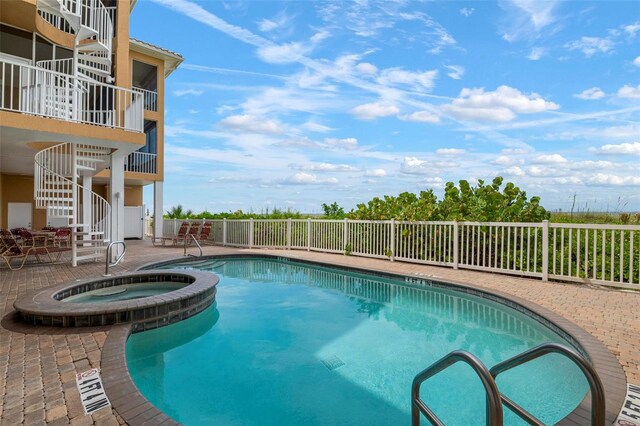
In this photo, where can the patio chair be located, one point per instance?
(12, 251)
(203, 236)
(62, 235)
(193, 230)
(173, 238)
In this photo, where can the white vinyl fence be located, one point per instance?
(599, 254)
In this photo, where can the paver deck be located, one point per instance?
(38, 364)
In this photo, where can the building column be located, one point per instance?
(87, 182)
(158, 211)
(116, 199)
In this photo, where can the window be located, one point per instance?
(150, 131)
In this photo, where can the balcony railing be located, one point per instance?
(150, 98)
(38, 91)
(63, 66)
(141, 162)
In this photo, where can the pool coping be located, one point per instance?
(135, 409)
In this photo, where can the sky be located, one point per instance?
(293, 104)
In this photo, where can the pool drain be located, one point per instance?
(332, 362)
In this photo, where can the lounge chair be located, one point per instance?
(203, 236)
(173, 238)
(193, 230)
(11, 251)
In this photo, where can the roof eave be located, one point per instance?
(171, 60)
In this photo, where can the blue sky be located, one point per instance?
(292, 104)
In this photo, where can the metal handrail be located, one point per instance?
(197, 243)
(494, 406)
(118, 259)
(595, 385)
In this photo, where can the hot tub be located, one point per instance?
(147, 300)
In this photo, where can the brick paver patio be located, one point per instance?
(38, 364)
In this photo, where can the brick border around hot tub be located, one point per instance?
(135, 409)
(46, 307)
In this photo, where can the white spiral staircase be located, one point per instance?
(58, 168)
(56, 189)
(91, 24)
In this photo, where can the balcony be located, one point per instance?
(44, 92)
(150, 98)
(141, 162)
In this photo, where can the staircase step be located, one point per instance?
(92, 46)
(94, 150)
(85, 32)
(91, 159)
(105, 60)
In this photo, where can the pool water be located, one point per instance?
(291, 344)
(124, 292)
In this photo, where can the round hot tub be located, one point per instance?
(147, 300)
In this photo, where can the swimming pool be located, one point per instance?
(290, 343)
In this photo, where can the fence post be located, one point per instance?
(345, 234)
(393, 239)
(224, 231)
(289, 234)
(455, 245)
(545, 250)
(251, 233)
(175, 231)
(309, 234)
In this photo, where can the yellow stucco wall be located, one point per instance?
(19, 189)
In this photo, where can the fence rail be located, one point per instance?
(597, 254)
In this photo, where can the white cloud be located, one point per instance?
(317, 127)
(620, 149)
(590, 94)
(421, 117)
(591, 45)
(542, 171)
(549, 159)
(466, 11)
(342, 144)
(252, 124)
(632, 29)
(307, 179)
(435, 182)
(413, 165)
(526, 18)
(283, 53)
(457, 71)
(505, 160)
(366, 68)
(514, 171)
(614, 180)
(374, 110)
(325, 167)
(376, 173)
(290, 52)
(418, 80)
(500, 105)
(186, 92)
(450, 151)
(514, 151)
(536, 53)
(280, 21)
(629, 92)
(636, 61)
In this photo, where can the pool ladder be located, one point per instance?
(495, 399)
